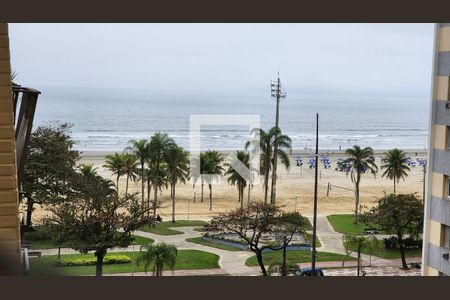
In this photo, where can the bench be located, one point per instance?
(370, 230)
(34, 253)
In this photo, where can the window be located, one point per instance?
(446, 236)
(448, 137)
(447, 192)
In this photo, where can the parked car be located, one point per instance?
(308, 272)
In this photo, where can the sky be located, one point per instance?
(353, 59)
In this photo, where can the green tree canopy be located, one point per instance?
(50, 166)
(395, 167)
(399, 215)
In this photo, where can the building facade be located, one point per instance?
(437, 204)
(10, 261)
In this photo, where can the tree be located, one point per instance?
(234, 177)
(354, 243)
(130, 169)
(200, 161)
(395, 167)
(250, 224)
(159, 179)
(140, 149)
(158, 255)
(115, 163)
(287, 225)
(267, 142)
(360, 160)
(177, 160)
(50, 166)
(214, 169)
(398, 215)
(94, 219)
(157, 147)
(89, 171)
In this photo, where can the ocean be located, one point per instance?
(106, 119)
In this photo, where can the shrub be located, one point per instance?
(108, 260)
(410, 243)
(37, 234)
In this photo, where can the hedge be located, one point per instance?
(107, 260)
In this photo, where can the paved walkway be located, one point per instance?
(331, 241)
(233, 262)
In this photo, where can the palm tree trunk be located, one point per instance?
(149, 188)
(201, 197)
(117, 184)
(248, 198)
(273, 190)
(126, 186)
(155, 199)
(241, 195)
(142, 183)
(173, 203)
(394, 185)
(357, 194)
(210, 196)
(266, 185)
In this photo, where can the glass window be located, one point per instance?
(446, 236)
(448, 187)
(448, 137)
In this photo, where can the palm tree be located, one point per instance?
(177, 160)
(235, 178)
(115, 164)
(130, 169)
(213, 167)
(158, 146)
(202, 158)
(158, 179)
(267, 141)
(89, 171)
(158, 255)
(140, 150)
(360, 160)
(395, 166)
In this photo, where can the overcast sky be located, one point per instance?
(369, 59)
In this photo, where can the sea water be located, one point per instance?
(106, 119)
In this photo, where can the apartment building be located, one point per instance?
(10, 262)
(437, 204)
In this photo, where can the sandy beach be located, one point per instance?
(294, 189)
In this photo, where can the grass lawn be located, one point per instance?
(395, 253)
(295, 257)
(199, 240)
(163, 227)
(186, 260)
(48, 244)
(344, 224)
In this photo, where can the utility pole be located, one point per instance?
(313, 258)
(424, 179)
(278, 94)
